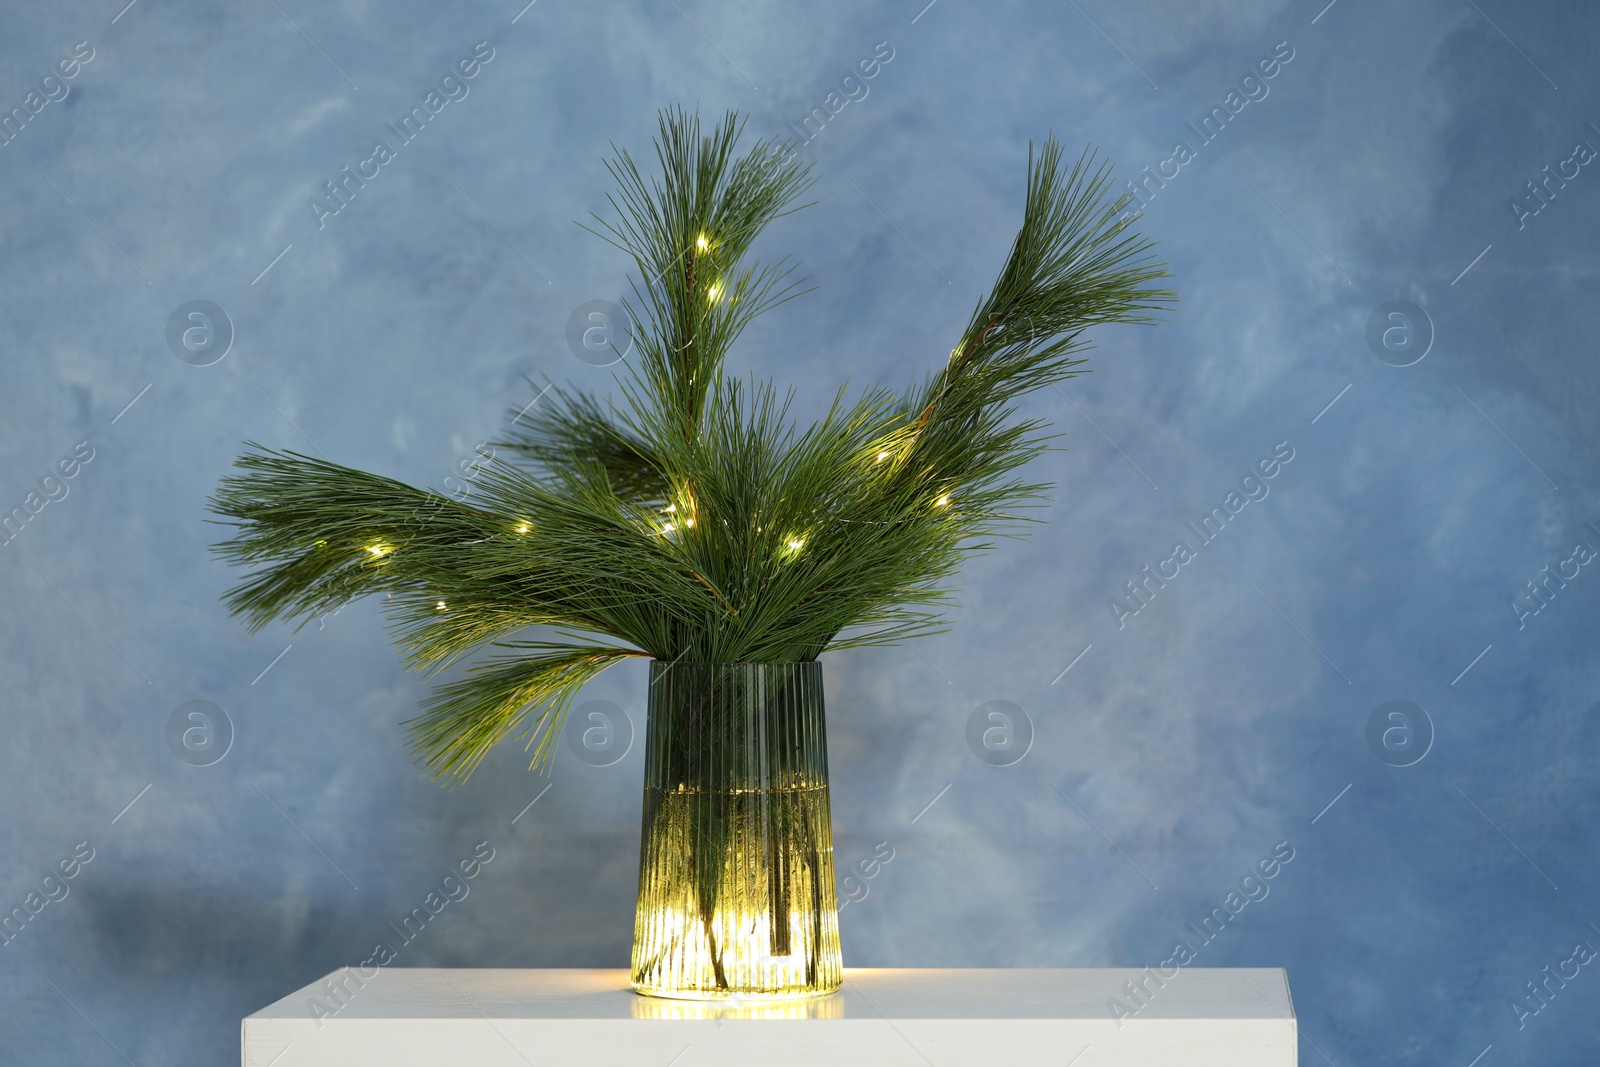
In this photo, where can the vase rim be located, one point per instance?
(735, 662)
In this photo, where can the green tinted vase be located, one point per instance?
(736, 890)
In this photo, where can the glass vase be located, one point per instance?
(736, 891)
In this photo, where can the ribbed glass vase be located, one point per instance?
(736, 893)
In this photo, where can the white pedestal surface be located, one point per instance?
(410, 1017)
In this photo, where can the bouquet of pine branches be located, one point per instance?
(692, 519)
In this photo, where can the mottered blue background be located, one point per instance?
(1439, 862)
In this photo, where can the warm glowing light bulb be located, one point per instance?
(440, 605)
(942, 501)
(714, 293)
(380, 549)
(796, 543)
(702, 243)
(668, 528)
(882, 456)
(688, 522)
(670, 508)
(523, 528)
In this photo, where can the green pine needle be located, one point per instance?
(694, 519)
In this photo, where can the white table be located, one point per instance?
(411, 1017)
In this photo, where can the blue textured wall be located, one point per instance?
(1202, 725)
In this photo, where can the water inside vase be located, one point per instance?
(737, 893)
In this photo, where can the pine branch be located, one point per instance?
(688, 234)
(463, 720)
(1074, 264)
(328, 533)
